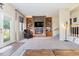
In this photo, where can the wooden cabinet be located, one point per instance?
(48, 33)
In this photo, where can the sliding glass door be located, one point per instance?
(5, 32)
(6, 29)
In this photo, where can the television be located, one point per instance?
(39, 24)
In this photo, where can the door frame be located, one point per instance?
(2, 43)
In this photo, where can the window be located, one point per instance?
(21, 23)
(75, 31)
(74, 19)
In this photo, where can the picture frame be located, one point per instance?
(75, 19)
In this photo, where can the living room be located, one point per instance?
(46, 27)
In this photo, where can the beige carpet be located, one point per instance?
(48, 43)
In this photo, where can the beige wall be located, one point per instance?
(75, 13)
(17, 29)
(55, 25)
(64, 15)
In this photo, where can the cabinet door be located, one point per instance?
(49, 34)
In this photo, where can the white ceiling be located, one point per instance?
(41, 9)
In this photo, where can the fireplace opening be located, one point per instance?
(39, 27)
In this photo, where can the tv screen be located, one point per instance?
(39, 24)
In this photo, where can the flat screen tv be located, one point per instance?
(38, 24)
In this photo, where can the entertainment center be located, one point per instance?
(39, 25)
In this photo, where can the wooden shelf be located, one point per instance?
(29, 23)
(48, 21)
